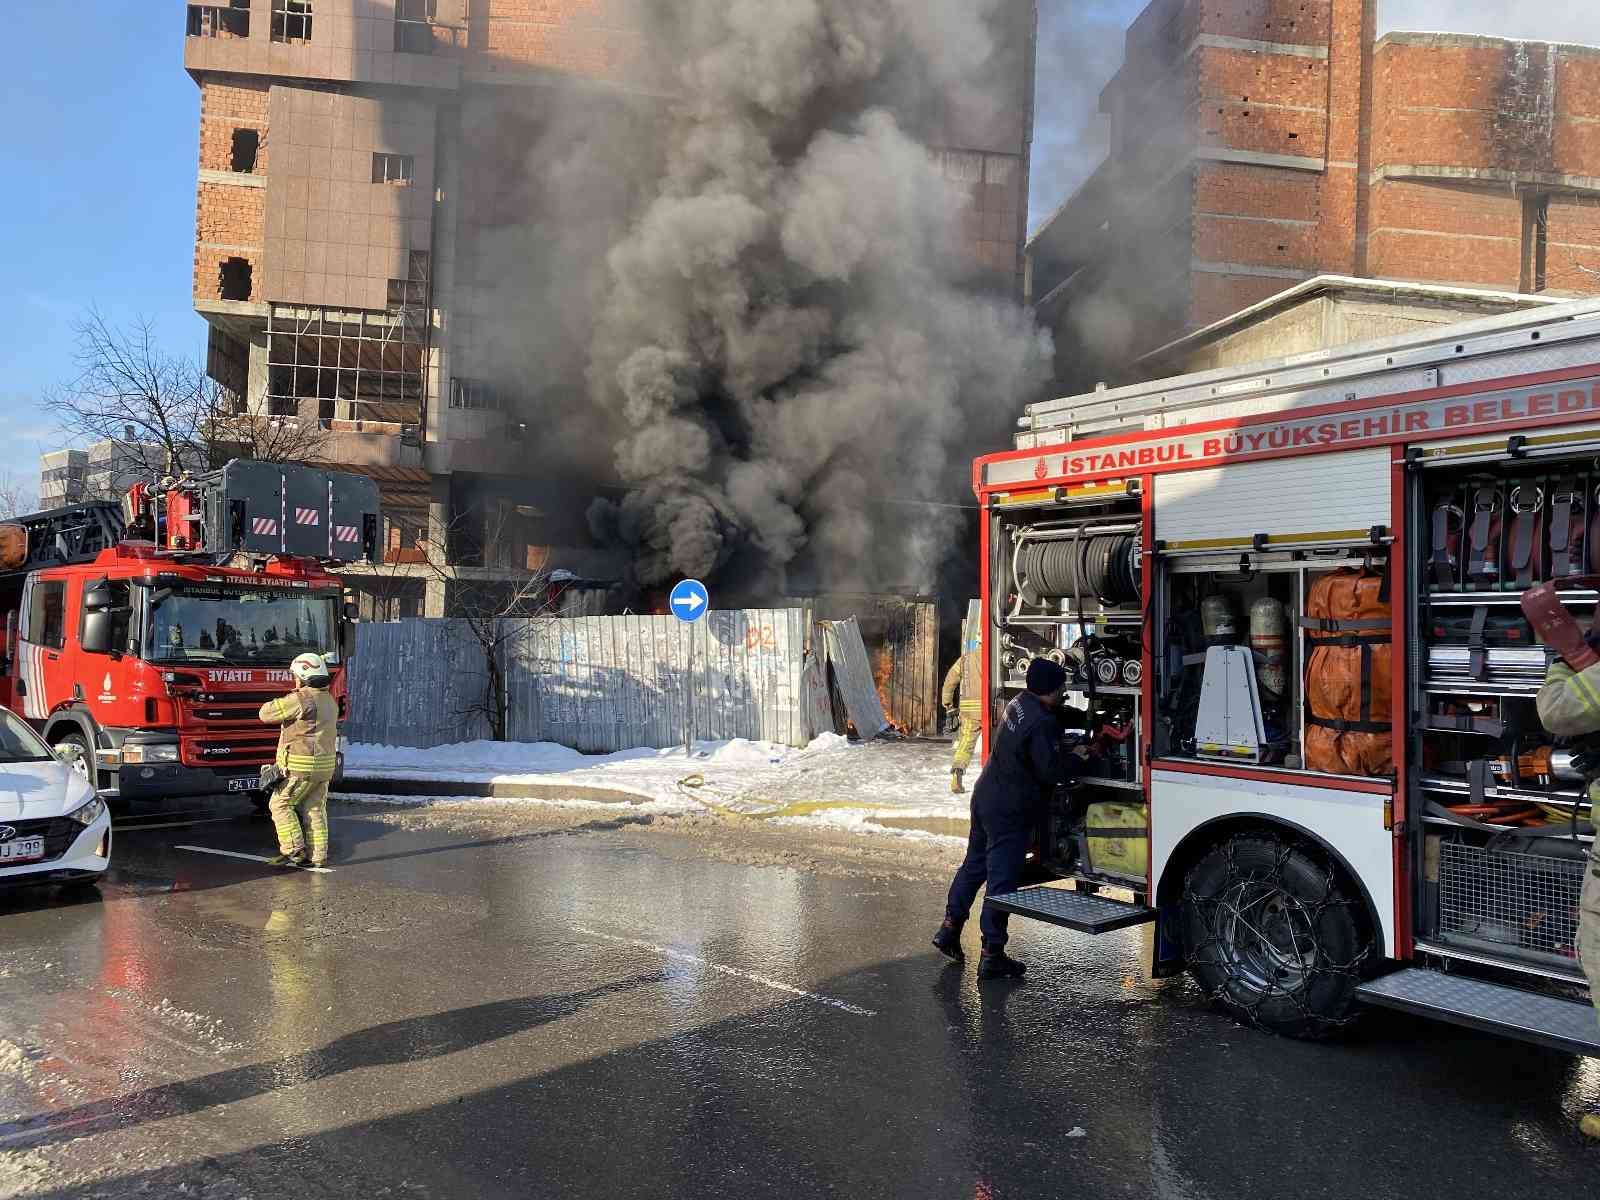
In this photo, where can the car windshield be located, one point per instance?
(255, 626)
(19, 743)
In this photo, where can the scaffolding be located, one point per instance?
(349, 364)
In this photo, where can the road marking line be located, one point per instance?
(685, 956)
(250, 858)
(133, 827)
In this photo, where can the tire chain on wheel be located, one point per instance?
(1251, 1012)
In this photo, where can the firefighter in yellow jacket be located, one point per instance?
(308, 755)
(1569, 706)
(964, 678)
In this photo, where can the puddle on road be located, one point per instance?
(943, 826)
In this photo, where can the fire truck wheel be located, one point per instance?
(74, 748)
(1271, 935)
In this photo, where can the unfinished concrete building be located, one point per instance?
(364, 179)
(1258, 145)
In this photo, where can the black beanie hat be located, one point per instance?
(1046, 678)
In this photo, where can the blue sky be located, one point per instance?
(101, 137)
(100, 144)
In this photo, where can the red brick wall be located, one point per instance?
(590, 38)
(1294, 22)
(224, 107)
(1446, 233)
(1573, 256)
(1218, 296)
(230, 219)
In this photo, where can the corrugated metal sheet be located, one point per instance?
(597, 684)
(852, 675)
(901, 636)
(417, 683)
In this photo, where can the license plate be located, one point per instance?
(22, 850)
(250, 783)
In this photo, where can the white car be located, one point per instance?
(54, 828)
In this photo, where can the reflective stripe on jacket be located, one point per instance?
(1569, 706)
(963, 678)
(308, 745)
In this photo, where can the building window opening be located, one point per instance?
(413, 26)
(1535, 241)
(291, 20)
(234, 279)
(474, 395)
(246, 146)
(348, 365)
(412, 291)
(231, 20)
(397, 169)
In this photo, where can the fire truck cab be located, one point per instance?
(141, 638)
(1288, 598)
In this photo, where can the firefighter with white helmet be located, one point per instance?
(308, 755)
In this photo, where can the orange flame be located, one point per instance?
(882, 674)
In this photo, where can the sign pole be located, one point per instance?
(690, 602)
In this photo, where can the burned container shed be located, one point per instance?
(901, 634)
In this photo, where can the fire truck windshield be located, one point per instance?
(257, 625)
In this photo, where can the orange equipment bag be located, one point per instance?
(1349, 624)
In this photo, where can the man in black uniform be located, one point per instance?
(1025, 763)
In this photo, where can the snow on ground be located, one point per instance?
(830, 782)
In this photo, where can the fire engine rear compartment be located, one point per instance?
(1425, 786)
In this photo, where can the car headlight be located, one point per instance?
(89, 813)
(157, 752)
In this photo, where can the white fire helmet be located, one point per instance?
(310, 670)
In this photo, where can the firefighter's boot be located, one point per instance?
(996, 964)
(948, 942)
(297, 859)
(1590, 1126)
(956, 786)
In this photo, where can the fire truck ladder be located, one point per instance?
(76, 534)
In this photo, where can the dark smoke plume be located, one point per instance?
(789, 338)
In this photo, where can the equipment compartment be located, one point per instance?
(1505, 823)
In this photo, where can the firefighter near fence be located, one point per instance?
(962, 700)
(307, 758)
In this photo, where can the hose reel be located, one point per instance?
(1105, 566)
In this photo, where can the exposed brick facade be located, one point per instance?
(1308, 146)
(230, 220)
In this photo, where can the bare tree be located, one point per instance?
(159, 412)
(495, 585)
(17, 497)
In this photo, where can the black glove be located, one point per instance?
(271, 776)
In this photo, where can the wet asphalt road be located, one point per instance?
(575, 1014)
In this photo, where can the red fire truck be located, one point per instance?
(1288, 595)
(141, 638)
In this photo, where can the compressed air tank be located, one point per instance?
(1220, 621)
(1269, 638)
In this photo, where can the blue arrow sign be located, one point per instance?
(690, 601)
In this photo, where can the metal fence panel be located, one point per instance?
(603, 684)
(852, 673)
(417, 683)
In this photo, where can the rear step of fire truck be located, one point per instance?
(1491, 1007)
(1083, 911)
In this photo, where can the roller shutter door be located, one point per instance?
(1315, 498)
